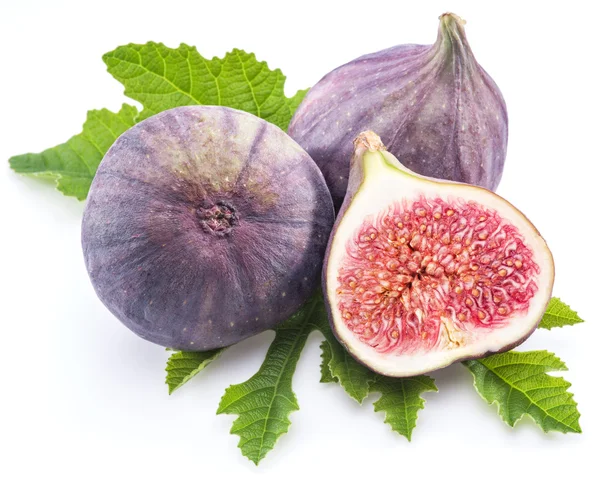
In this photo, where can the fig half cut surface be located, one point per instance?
(434, 107)
(205, 225)
(420, 273)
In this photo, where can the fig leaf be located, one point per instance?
(72, 165)
(517, 382)
(264, 402)
(400, 397)
(401, 400)
(182, 366)
(161, 78)
(343, 368)
(558, 314)
(326, 355)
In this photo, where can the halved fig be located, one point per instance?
(420, 273)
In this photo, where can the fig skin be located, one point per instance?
(365, 201)
(205, 225)
(434, 107)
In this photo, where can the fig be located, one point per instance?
(420, 273)
(205, 225)
(433, 106)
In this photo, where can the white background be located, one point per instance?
(83, 399)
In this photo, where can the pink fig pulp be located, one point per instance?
(420, 273)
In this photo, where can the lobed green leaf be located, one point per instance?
(401, 400)
(182, 366)
(518, 383)
(264, 402)
(558, 314)
(72, 165)
(343, 368)
(400, 397)
(326, 356)
(161, 78)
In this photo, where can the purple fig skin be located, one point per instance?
(434, 107)
(205, 225)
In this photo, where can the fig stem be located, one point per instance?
(368, 140)
(452, 35)
(371, 154)
(449, 17)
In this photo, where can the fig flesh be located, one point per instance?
(420, 273)
(433, 106)
(205, 225)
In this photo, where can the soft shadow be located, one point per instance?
(457, 377)
(235, 365)
(46, 196)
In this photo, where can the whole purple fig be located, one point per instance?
(205, 225)
(434, 107)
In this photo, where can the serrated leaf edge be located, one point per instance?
(496, 403)
(303, 334)
(355, 393)
(192, 374)
(288, 104)
(571, 321)
(420, 407)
